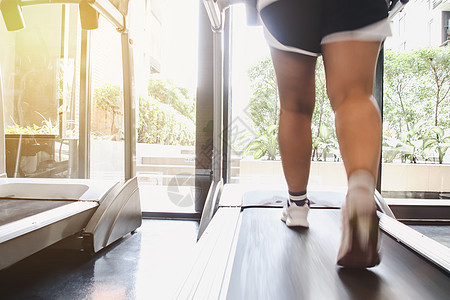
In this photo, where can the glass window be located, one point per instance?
(416, 127)
(41, 81)
(416, 123)
(165, 56)
(107, 129)
(255, 109)
(40, 75)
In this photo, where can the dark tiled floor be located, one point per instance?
(149, 264)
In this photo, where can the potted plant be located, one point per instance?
(30, 151)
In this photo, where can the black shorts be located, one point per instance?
(304, 25)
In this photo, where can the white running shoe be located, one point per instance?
(294, 215)
(360, 239)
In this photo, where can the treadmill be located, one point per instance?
(37, 213)
(86, 214)
(245, 251)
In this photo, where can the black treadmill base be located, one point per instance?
(273, 261)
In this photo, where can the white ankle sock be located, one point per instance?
(361, 189)
(298, 198)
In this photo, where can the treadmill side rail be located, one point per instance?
(118, 214)
(214, 256)
(421, 244)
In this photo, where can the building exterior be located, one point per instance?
(422, 23)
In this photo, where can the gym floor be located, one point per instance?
(149, 264)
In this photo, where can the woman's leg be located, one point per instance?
(296, 84)
(350, 68)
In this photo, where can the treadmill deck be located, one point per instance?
(273, 261)
(12, 210)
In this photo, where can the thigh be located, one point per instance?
(296, 80)
(349, 69)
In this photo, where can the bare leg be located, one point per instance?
(296, 84)
(349, 68)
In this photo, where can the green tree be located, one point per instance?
(416, 100)
(107, 97)
(436, 140)
(167, 115)
(265, 144)
(324, 144)
(160, 123)
(264, 106)
(407, 145)
(400, 104)
(323, 132)
(416, 86)
(433, 71)
(177, 97)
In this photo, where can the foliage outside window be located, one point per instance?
(416, 123)
(107, 99)
(264, 109)
(166, 115)
(417, 105)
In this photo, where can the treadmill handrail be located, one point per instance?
(382, 205)
(215, 8)
(104, 7)
(109, 12)
(214, 14)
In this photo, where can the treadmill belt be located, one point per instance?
(273, 261)
(15, 210)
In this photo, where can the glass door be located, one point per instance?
(165, 56)
(416, 123)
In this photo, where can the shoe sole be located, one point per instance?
(356, 256)
(299, 221)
